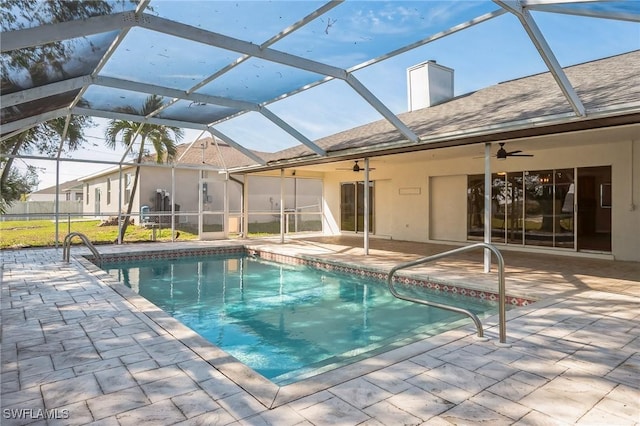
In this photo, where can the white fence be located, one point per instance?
(33, 210)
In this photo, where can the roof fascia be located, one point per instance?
(536, 36)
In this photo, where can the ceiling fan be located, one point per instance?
(356, 168)
(502, 153)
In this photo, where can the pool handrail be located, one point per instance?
(474, 317)
(66, 247)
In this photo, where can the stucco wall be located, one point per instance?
(406, 208)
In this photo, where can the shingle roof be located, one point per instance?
(604, 83)
(64, 187)
(220, 157)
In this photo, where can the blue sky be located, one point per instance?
(484, 55)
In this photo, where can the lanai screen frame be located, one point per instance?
(140, 17)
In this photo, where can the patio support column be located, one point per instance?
(487, 205)
(281, 205)
(57, 206)
(366, 206)
(120, 187)
(173, 204)
(57, 198)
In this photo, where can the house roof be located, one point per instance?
(64, 187)
(525, 106)
(216, 156)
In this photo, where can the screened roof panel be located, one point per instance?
(112, 99)
(254, 21)
(357, 31)
(271, 138)
(53, 62)
(198, 112)
(256, 80)
(32, 14)
(163, 60)
(37, 107)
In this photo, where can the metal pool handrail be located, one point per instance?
(66, 247)
(474, 317)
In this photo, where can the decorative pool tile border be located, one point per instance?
(169, 254)
(314, 263)
(382, 276)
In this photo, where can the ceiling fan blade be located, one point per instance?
(514, 152)
(520, 155)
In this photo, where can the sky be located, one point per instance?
(491, 52)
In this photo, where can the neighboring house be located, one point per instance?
(42, 204)
(102, 189)
(69, 191)
(192, 186)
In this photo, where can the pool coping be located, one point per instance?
(266, 392)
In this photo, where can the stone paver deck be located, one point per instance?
(87, 352)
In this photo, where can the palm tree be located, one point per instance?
(162, 137)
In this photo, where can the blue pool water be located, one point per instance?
(288, 321)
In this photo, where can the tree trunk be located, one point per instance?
(9, 162)
(132, 197)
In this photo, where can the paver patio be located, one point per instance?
(89, 354)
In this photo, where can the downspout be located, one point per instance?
(281, 206)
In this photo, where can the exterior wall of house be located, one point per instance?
(152, 180)
(95, 202)
(424, 197)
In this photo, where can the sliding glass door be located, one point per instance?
(594, 208)
(538, 208)
(352, 206)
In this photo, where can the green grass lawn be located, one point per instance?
(41, 233)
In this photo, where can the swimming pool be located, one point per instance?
(289, 322)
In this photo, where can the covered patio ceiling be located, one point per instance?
(213, 62)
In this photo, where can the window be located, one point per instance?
(127, 183)
(87, 190)
(108, 191)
